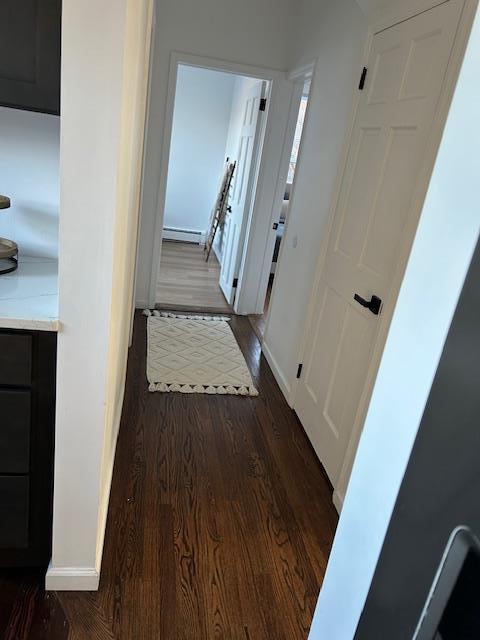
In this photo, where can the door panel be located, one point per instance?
(14, 512)
(406, 70)
(380, 242)
(15, 359)
(242, 187)
(333, 382)
(15, 425)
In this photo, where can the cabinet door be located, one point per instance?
(15, 417)
(27, 431)
(15, 359)
(14, 512)
(30, 33)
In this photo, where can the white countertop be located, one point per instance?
(29, 296)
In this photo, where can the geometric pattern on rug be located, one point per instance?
(198, 355)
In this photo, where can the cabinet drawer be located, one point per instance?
(14, 507)
(15, 359)
(15, 420)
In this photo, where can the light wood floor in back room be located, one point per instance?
(186, 282)
(219, 527)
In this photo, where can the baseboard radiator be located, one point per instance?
(183, 235)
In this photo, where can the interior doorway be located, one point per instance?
(218, 122)
(259, 321)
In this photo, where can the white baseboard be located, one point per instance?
(72, 579)
(277, 372)
(183, 235)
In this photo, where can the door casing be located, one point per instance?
(243, 189)
(278, 99)
(298, 76)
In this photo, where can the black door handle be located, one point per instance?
(373, 304)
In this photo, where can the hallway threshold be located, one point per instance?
(187, 282)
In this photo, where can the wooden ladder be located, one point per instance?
(221, 207)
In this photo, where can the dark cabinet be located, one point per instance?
(30, 37)
(14, 514)
(15, 408)
(27, 419)
(15, 359)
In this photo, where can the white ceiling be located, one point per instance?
(369, 6)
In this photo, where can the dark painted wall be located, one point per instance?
(441, 487)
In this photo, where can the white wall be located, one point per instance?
(29, 175)
(203, 103)
(254, 32)
(335, 34)
(102, 103)
(443, 247)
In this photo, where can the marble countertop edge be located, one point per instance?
(31, 324)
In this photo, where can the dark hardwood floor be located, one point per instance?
(220, 522)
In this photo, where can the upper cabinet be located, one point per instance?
(30, 38)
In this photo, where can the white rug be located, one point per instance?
(194, 354)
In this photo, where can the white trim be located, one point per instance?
(304, 73)
(177, 58)
(184, 235)
(149, 64)
(216, 64)
(282, 175)
(162, 181)
(277, 372)
(397, 11)
(337, 500)
(451, 76)
(72, 579)
(400, 11)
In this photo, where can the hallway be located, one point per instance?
(220, 522)
(186, 282)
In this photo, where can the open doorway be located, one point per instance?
(217, 122)
(259, 321)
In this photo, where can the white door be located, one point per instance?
(242, 188)
(405, 73)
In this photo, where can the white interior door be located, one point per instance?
(243, 181)
(405, 73)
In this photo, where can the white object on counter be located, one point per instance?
(29, 296)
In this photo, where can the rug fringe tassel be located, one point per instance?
(198, 388)
(167, 314)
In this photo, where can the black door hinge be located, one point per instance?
(263, 104)
(235, 283)
(275, 226)
(299, 370)
(363, 77)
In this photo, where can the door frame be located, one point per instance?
(379, 23)
(251, 182)
(276, 81)
(259, 259)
